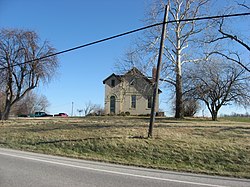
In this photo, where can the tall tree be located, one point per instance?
(218, 83)
(22, 68)
(180, 37)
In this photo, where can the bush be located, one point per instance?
(122, 114)
(127, 113)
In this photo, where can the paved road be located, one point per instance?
(24, 169)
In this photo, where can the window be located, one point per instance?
(150, 99)
(113, 83)
(112, 105)
(133, 101)
(132, 82)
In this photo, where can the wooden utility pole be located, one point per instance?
(156, 83)
(72, 109)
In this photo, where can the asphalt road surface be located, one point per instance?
(24, 169)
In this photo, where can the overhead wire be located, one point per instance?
(129, 32)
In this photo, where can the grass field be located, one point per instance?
(238, 119)
(192, 145)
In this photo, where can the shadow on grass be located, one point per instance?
(99, 126)
(80, 126)
(138, 137)
(73, 140)
(235, 128)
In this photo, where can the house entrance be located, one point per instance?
(112, 104)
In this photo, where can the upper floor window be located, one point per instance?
(133, 101)
(113, 83)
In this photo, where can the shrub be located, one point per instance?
(127, 113)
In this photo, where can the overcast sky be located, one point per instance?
(69, 23)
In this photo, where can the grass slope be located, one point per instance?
(192, 145)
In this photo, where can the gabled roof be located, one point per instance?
(133, 71)
(117, 76)
(138, 72)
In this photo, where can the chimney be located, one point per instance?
(154, 70)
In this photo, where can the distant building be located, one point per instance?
(130, 93)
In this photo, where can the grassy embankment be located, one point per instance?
(192, 145)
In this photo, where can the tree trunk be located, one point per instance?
(214, 115)
(179, 102)
(6, 112)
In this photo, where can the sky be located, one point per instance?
(70, 23)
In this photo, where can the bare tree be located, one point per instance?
(90, 108)
(19, 78)
(218, 83)
(30, 103)
(41, 103)
(180, 36)
(191, 107)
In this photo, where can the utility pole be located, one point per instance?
(156, 83)
(72, 109)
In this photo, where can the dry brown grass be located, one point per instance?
(194, 145)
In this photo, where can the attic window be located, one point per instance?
(132, 82)
(113, 83)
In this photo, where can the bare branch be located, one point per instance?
(238, 61)
(244, 5)
(235, 38)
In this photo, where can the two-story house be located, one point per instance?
(131, 92)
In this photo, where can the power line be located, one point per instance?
(130, 32)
